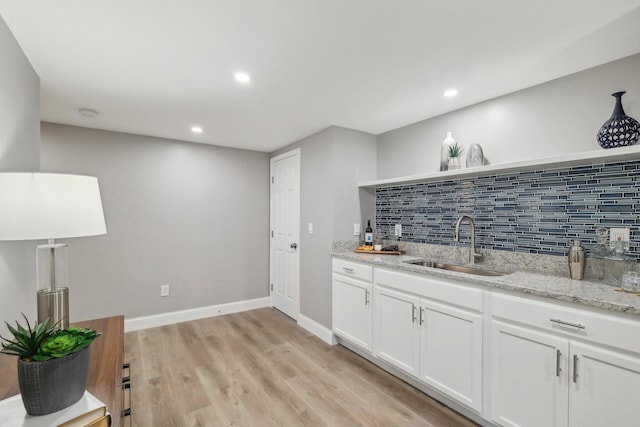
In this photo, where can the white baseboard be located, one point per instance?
(317, 329)
(162, 319)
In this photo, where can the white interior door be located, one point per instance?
(285, 233)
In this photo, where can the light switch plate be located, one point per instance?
(619, 235)
(310, 231)
(398, 230)
(164, 290)
(356, 229)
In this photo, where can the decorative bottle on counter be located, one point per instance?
(444, 155)
(576, 261)
(368, 234)
(598, 254)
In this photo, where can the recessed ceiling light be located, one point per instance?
(242, 77)
(89, 113)
(196, 129)
(451, 93)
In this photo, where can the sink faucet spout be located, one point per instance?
(472, 244)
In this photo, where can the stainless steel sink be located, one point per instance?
(453, 267)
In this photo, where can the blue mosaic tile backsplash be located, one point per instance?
(538, 211)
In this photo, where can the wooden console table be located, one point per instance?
(105, 372)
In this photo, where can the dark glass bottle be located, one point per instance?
(368, 234)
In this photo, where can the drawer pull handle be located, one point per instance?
(127, 412)
(575, 368)
(126, 379)
(348, 270)
(558, 354)
(573, 325)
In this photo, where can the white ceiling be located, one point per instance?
(157, 67)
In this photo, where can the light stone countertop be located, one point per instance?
(542, 285)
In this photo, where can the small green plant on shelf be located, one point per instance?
(455, 150)
(45, 341)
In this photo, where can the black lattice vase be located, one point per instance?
(55, 384)
(620, 130)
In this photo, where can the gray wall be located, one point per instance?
(332, 162)
(189, 215)
(354, 161)
(559, 117)
(19, 145)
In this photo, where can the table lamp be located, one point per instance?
(36, 206)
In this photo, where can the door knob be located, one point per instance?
(293, 246)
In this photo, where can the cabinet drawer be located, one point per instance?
(600, 328)
(353, 269)
(435, 289)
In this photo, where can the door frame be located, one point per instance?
(296, 301)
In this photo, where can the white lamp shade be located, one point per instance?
(36, 206)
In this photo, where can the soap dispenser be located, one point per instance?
(577, 261)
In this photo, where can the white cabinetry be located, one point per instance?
(431, 338)
(544, 373)
(546, 364)
(397, 331)
(352, 294)
(451, 351)
(605, 388)
(529, 377)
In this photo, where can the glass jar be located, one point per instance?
(631, 282)
(616, 266)
(377, 240)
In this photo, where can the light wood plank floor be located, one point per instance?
(259, 368)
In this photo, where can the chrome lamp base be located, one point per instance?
(54, 305)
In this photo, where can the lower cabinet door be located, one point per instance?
(397, 329)
(451, 352)
(604, 387)
(352, 313)
(529, 377)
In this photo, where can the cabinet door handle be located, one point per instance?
(575, 368)
(348, 270)
(413, 313)
(421, 315)
(573, 325)
(366, 297)
(558, 369)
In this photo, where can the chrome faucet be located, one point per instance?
(472, 245)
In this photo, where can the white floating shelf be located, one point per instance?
(622, 154)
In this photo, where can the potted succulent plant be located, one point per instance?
(455, 152)
(53, 364)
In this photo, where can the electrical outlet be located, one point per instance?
(356, 229)
(164, 290)
(619, 237)
(310, 231)
(398, 230)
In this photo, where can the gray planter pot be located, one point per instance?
(55, 384)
